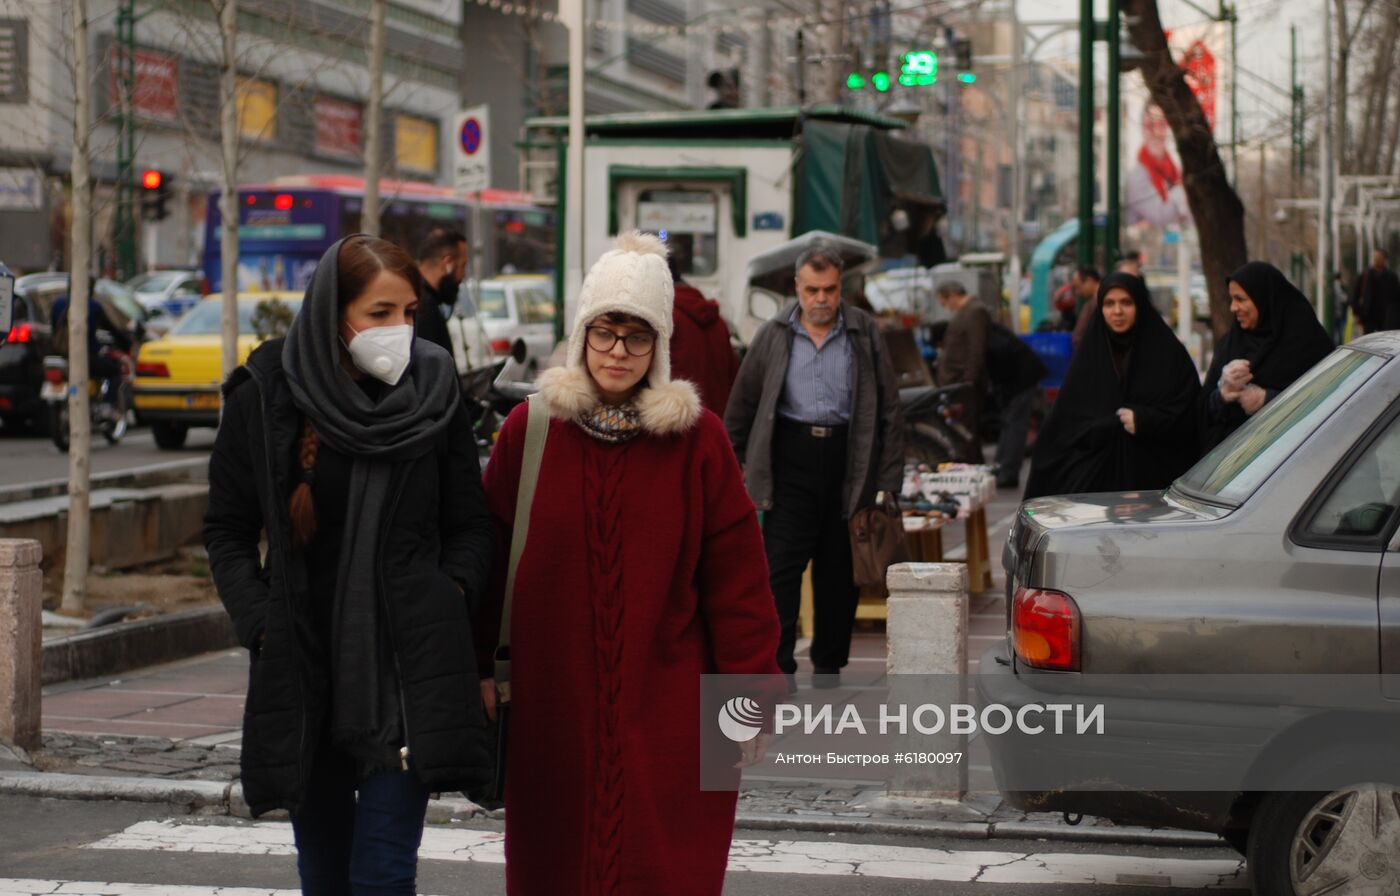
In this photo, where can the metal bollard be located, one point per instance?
(926, 633)
(21, 642)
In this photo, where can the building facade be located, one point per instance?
(302, 82)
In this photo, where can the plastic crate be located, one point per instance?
(1054, 349)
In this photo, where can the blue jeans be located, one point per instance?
(365, 846)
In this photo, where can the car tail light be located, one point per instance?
(500, 346)
(152, 368)
(20, 333)
(56, 375)
(1045, 629)
(6, 404)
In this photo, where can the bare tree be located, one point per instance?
(374, 114)
(1348, 29)
(1215, 206)
(78, 550)
(228, 197)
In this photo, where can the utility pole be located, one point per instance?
(1297, 149)
(78, 549)
(228, 200)
(1227, 14)
(1086, 132)
(1018, 173)
(124, 223)
(1113, 35)
(1324, 173)
(374, 154)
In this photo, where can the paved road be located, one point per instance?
(118, 849)
(29, 459)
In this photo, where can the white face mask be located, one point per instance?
(382, 352)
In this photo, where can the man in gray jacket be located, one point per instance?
(815, 419)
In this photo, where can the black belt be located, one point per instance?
(814, 430)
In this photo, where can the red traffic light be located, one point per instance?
(150, 179)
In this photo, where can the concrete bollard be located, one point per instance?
(21, 642)
(926, 631)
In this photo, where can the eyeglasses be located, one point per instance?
(638, 344)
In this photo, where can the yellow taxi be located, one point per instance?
(178, 375)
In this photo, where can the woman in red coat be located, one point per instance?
(643, 569)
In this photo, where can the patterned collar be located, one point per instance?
(611, 423)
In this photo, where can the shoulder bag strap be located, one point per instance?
(536, 429)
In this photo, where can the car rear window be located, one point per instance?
(1231, 472)
(204, 319)
(492, 302)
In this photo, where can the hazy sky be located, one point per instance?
(1263, 41)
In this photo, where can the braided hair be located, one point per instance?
(302, 506)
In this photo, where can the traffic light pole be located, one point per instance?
(124, 225)
(1113, 35)
(1086, 132)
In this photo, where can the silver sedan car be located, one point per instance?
(1252, 614)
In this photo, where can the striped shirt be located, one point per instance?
(817, 389)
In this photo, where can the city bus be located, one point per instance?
(287, 223)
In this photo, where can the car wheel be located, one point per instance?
(1308, 844)
(170, 436)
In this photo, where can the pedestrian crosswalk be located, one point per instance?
(824, 857)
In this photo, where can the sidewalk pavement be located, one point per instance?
(156, 733)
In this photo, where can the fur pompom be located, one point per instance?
(640, 243)
(669, 409)
(567, 392)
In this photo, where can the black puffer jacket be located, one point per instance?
(438, 534)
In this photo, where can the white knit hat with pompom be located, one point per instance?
(631, 278)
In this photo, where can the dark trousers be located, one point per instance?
(1015, 426)
(361, 841)
(805, 524)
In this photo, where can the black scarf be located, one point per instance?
(382, 436)
(1083, 446)
(1286, 342)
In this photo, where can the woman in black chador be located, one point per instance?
(1274, 340)
(1124, 418)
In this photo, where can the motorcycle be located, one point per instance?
(932, 432)
(492, 396)
(108, 406)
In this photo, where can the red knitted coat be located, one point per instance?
(643, 568)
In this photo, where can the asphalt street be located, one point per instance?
(120, 848)
(29, 459)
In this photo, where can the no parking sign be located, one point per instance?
(472, 156)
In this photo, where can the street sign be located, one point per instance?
(471, 158)
(7, 301)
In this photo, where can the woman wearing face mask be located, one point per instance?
(1275, 338)
(347, 444)
(1123, 420)
(643, 569)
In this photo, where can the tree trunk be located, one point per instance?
(1378, 82)
(228, 200)
(78, 549)
(374, 118)
(1216, 208)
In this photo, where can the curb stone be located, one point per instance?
(228, 799)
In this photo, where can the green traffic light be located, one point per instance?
(880, 81)
(855, 81)
(967, 77)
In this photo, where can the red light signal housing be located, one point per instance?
(151, 179)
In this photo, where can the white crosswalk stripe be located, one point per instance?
(15, 886)
(809, 857)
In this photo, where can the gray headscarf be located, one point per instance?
(407, 418)
(382, 437)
